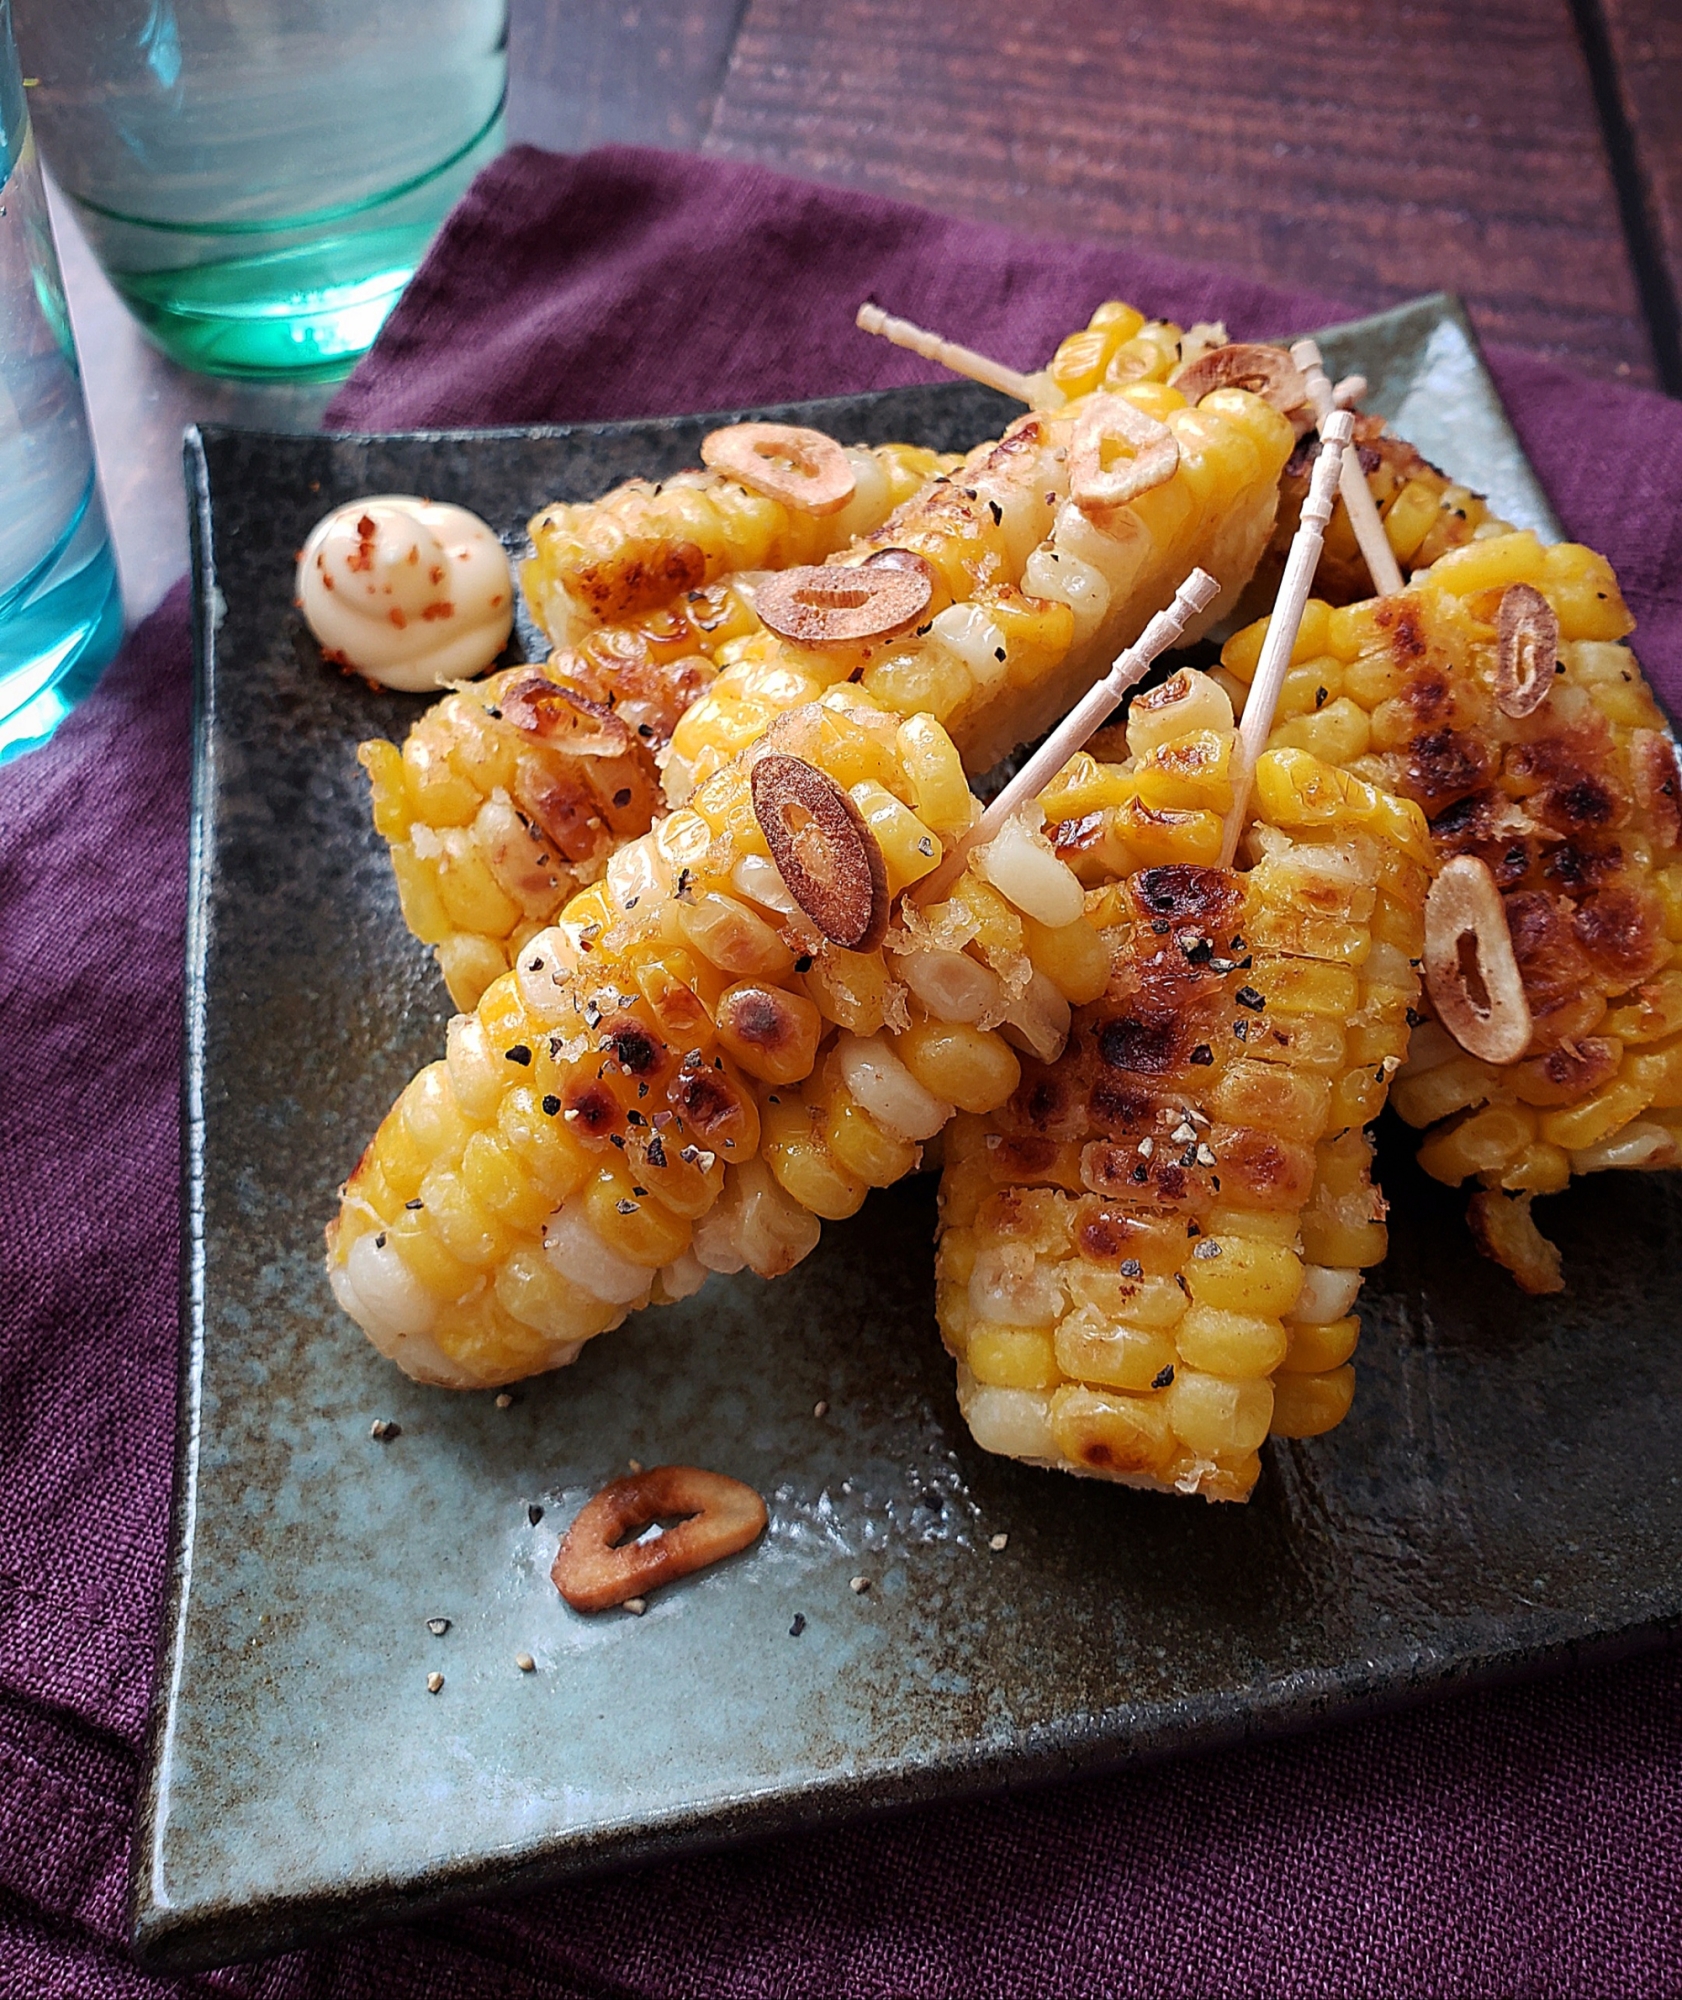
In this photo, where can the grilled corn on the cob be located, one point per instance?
(1149, 1257)
(689, 1069)
(1572, 807)
(646, 543)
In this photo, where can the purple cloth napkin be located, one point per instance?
(1527, 1842)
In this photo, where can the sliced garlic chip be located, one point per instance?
(828, 858)
(1470, 971)
(1527, 650)
(802, 468)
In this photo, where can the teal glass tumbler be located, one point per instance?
(61, 611)
(260, 178)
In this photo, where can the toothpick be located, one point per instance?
(1094, 709)
(1294, 586)
(1380, 558)
(1027, 389)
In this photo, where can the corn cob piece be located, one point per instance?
(1572, 807)
(1037, 582)
(646, 543)
(688, 1070)
(1149, 1258)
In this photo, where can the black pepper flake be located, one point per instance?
(997, 512)
(1163, 1376)
(622, 797)
(1160, 926)
(616, 1139)
(1320, 698)
(1247, 996)
(551, 1104)
(804, 962)
(1241, 1030)
(1202, 1056)
(639, 1190)
(923, 631)
(518, 1053)
(680, 888)
(379, 1241)
(534, 1513)
(1194, 1229)
(656, 1152)
(534, 965)
(1141, 1173)
(799, 1625)
(689, 1155)
(998, 652)
(1206, 1249)
(416, 1203)
(632, 901)
(494, 712)
(644, 729)
(625, 1205)
(1414, 1017)
(635, 1118)
(1132, 1268)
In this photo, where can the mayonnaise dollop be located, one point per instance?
(410, 592)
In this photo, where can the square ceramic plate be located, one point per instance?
(1505, 1496)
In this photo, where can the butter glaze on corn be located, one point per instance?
(1574, 808)
(1150, 1256)
(683, 1076)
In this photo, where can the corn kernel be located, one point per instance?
(1314, 1349)
(970, 1067)
(1306, 1406)
(1215, 1417)
(1242, 1274)
(1236, 1345)
(1111, 1433)
(1013, 1357)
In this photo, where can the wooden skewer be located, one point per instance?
(1027, 389)
(1095, 708)
(1294, 586)
(1380, 558)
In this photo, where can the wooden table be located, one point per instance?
(1525, 153)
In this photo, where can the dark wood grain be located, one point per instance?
(1371, 152)
(1642, 45)
(643, 72)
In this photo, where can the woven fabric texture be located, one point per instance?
(1527, 1842)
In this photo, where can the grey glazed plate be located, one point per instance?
(1505, 1497)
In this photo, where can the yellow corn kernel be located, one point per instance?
(803, 1164)
(1486, 1142)
(934, 774)
(1452, 1086)
(909, 850)
(633, 1225)
(1651, 1013)
(851, 988)
(383, 762)
(1191, 772)
(1072, 957)
(1160, 837)
(1243, 1274)
(1012, 1357)
(1091, 1348)
(1306, 1406)
(920, 679)
(1409, 518)
(1314, 1349)
(1110, 1432)
(444, 1275)
(1264, 1226)
(1581, 1125)
(1581, 587)
(1084, 785)
(1242, 652)
(529, 1289)
(1291, 1104)
(468, 1231)
(1659, 1072)
(1337, 733)
(1491, 564)
(1539, 1169)
(1305, 986)
(1215, 1417)
(1185, 704)
(1350, 1246)
(866, 1151)
(1308, 688)
(733, 937)
(439, 795)
(1236, 1345)
(469, 891)
(970, 1067)
(417, 892)
(497, 1180)
(1667, 885)
(1358, 1097)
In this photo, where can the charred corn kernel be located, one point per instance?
(1538, 1169)
(1311, 1350)
(1307, 1406)
(1596, 1118)
(1191, 772)
(1157, 836)
(967, 1066)
(1220, 1213)
(1117, 1436)
(1013, 1357)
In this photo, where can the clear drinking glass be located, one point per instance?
(259, 178)
(61, 612)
